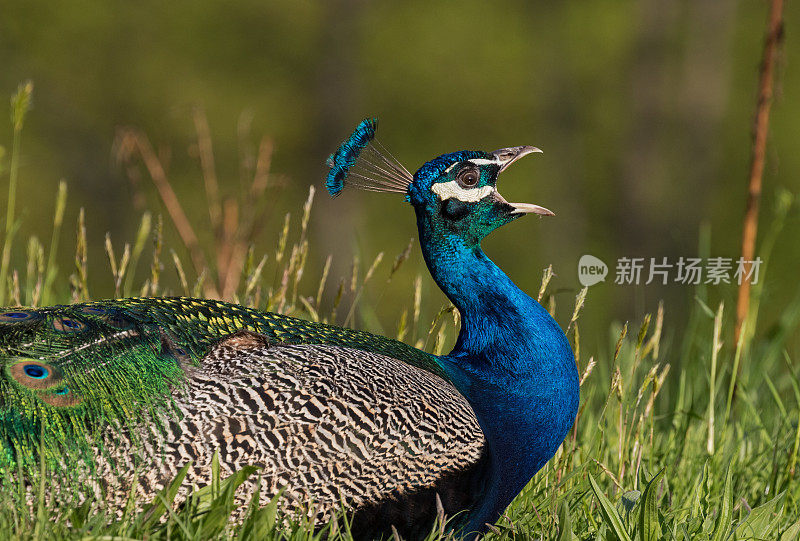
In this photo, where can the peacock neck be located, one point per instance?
(511, 361)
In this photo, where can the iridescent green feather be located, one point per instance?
(69, 371)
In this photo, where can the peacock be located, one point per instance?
(116, 396)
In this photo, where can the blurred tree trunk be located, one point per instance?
(338, 98)
(662, 81)
(643, 166)
(681, 64)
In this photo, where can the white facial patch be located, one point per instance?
(477, 162)
(447, 190)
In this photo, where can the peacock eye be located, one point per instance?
(468, 177)
(35, 371)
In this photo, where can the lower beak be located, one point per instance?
(528, 208)
(524, 208)
(507, 156)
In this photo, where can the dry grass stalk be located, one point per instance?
(235, 222)
(760, 130)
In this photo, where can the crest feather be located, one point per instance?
(361, 161)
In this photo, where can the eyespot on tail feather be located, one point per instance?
(347, 154)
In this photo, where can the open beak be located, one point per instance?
(507, 156)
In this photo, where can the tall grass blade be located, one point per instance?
(649, 527)
(612, 518)
(58, 219)
(723, 524)
(20, 104)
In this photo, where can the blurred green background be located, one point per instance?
(643, 110)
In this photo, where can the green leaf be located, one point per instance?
(629, 501)
(776, 396)
(761, 520)
(78, 515)
(164, 498)
(564, 522)
(792, 532)
(215, 511)
(612, 518)
(261, 521)
(699, 491)
(649, 528)
(726, 509)
(708, 311)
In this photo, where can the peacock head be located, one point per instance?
(456, 192)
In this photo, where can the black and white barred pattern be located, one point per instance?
(331, 424)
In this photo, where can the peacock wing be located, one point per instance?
(334, 425)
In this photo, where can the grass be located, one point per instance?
(693, 437)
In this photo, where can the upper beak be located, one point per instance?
(507, 156)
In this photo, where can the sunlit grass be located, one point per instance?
(689, 438)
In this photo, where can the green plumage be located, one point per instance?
(69, 371)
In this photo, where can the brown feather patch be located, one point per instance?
(244, 340)
(22, 369)
(61, 400)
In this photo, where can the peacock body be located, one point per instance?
(124, 393)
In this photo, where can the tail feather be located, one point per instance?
(68, 371)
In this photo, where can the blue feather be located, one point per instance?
(362, 162)
(347, 154)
